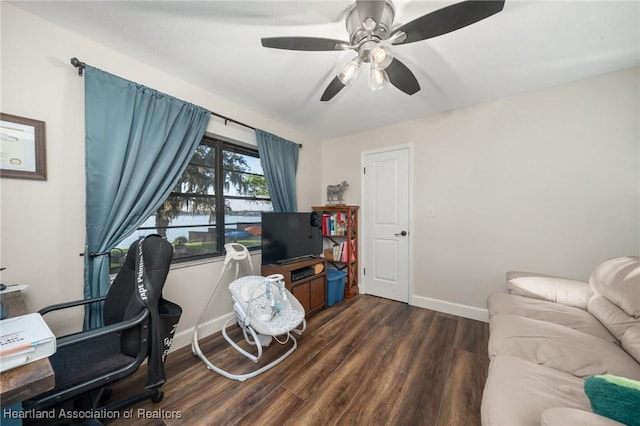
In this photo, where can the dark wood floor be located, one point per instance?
(364, 361)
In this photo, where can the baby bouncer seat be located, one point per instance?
(264, 309)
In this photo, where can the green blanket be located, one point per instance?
(615, 397)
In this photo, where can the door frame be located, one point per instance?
(363, 231)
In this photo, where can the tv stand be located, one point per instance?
(309, 289)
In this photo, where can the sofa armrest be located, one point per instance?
(546, 287)
(562, 416)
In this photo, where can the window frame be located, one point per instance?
(219, 145)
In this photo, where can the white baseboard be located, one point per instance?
(451, 308)
(184, 337)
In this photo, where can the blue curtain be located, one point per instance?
(279, 158)
(137, 144)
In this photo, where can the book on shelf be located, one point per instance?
(343, 251)
(334, 224)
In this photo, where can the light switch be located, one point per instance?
(431, 211)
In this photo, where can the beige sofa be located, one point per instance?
(548, 334)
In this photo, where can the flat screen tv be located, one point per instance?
(288, 237)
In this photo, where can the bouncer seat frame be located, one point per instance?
(264, 309)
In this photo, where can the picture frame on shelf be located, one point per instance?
(22, 148)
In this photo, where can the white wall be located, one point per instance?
(42, 222)
(547, 181)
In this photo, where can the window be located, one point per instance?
(218, 199)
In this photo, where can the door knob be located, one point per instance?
(401, 234)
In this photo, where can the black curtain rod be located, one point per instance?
(227, 119)
(76, 63)
(80, 65)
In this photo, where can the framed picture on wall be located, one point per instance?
(22, 148)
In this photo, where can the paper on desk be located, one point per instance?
(24, 339)
(11, 288)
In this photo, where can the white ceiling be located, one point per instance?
(216, 45)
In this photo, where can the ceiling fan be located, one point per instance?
(369, 24)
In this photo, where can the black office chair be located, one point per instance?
(139, 323)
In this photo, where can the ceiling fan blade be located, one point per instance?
(449, 19)
(313, 44)
(370, 9)
(332, 89)
(402, 77)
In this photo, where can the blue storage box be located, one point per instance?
(335, 286)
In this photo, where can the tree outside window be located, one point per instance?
(218, 199)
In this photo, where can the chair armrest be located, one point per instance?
(102, 331)
(72, 304)
(547, 287)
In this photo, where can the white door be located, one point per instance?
(386, 223)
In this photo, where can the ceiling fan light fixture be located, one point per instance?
(372, 36)
(381, 56)
(377, 79)
(350, 71)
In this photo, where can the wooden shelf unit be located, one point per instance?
(347, 233)
(310, 290)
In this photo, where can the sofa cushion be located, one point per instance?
(631, 341)
(518, 391)
(547, 287)
(611, 316)
(576, 318)
(561, 416)
(560, 347)
(619, 281)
